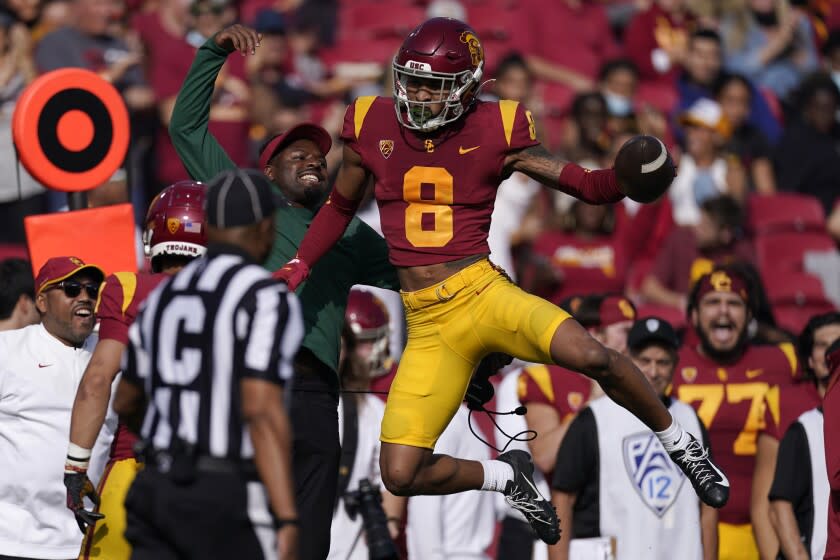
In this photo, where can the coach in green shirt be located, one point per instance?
(295, 163)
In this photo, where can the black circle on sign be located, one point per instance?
(103, 130)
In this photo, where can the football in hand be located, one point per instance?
(644, 168)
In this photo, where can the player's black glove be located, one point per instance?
(480, 390)
(78, 486)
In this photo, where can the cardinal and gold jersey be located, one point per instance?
(436, 191)
(119, 302)
(730, 400)
(563, 390)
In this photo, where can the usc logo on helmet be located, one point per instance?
(474, 45)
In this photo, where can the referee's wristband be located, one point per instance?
(280, 522)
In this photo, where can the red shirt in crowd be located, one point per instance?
(169, 59)
(648, 31)
(730, 400)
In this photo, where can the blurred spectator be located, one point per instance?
(454, 526)
(586, 137)
(554, 395)
(657, 40)
(770, 42)
(747, 142)
(831, 413)
(705, 172)
(17, 295)
(799, 492)
(692, 251)
(831, 56)
(515, 194)
(726, 378)
(166, 35)
(87, 43)
(800, 397)
(20, 194)
(446, 8)
(23, 11)
(806, 159)
(55, 14)
(609, 457)
(581, 40)
(617, 81)
(41, 368)
(834, 222)
(362, 412)
(587, 254)
(702, 70)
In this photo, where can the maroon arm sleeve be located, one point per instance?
(598, 186)
(327, 227)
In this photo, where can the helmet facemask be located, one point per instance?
(455, 92)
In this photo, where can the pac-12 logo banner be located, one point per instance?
(654, 476)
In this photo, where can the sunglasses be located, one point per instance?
(72, 288)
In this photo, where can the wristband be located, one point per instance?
(78, 459)
(280, 522)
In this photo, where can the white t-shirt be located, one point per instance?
(38, 380)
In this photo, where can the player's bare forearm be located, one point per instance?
(564, 503)
(91, 404)
(592, 186)
(545, 420)
(270, 433)
(537, 163)
(790, 540)
(709, 531)
(765, 467)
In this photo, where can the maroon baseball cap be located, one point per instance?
(57, 269)
(303, 131)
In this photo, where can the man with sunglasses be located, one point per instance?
(175, 233)
(40, 368)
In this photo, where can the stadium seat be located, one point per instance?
(785, 251)
(794, 289)
(794, 317)
(784, 212)
(378, 19)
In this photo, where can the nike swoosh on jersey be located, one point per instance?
(40, 365)
(753, 373)
(462, 150)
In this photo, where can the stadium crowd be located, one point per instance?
(725, 292)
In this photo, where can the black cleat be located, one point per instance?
(708, 481)
(522, 495)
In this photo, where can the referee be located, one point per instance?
(210, 353)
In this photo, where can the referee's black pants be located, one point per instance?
(316, 452)
(214, 516)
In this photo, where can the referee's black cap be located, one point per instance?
(239, 197)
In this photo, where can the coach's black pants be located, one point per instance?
(316, 452)
(207, 518)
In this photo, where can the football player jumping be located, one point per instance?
(437, 155)
(174, 234)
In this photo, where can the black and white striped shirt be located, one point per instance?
(219, 320)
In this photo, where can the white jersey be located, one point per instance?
(39, 376)
(346, 539)
(646, 502)
(812, 421)
(456, 526)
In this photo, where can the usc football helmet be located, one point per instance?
(367, 317)
(176, 223)
(445, 56)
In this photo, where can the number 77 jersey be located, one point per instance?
(436, 191)
(730, 399)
